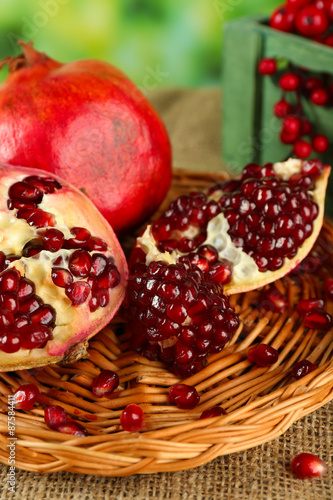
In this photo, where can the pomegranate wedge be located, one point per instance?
(247, 232)
(62, 270)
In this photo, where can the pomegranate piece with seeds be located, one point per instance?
(26, 396)
(306, 465)
(60, 282)
(262, 225)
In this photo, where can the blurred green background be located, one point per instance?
(157, 43)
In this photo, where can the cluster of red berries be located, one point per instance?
(309, 18)
(297, 84)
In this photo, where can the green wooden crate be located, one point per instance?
(250, 131)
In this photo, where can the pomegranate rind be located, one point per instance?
(258, 279)
(72, 208)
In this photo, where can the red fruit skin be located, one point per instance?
(306, 465)
(86, 122)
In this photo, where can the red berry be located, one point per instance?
(328, 40)
(263, 355)
(282, 108)
(287, 138)
(311, 22)
(291, 125)
(298, 4)
(329, 9)
(216, 411)
(306, 127)
(131, 418)
(26, 396)
(312, 83)
(302, 368)
(282, 19)
(319, 97)
(320, 143)
(267, 66)
(184, 396)
(105, 383)
(306, 465)
(302, 149)
(289, 82)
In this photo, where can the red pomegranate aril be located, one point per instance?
(176, 312)
(305, 305)
(131, 418)
(55, 415)
(275, 263)
(94, 303)
(216, 411)
(30, 305)
(9, 280)
(318, 319)
(220, 273)
(96, 244)
(61, 277)
(263, 355)
(199, 261)
(26, 396)
(71, 427)
(81, 237)
(184, 354)
(18, 204)
(53, 240)
(110, 279)
(21, 320)
(306, 465)
(328, 287)
(26, 288)
(99, 264)
(39, 218)
(45, 186)
(105, 383)
(24, 191)
(274, 300)
(161, 229)
(35, 336)
(103, 297)
(10, 341)
(302, 368)
(45, 315)
(78, 292)
(6, 319)
(80, 263)
(184, 396)
(9, 301)
(312, 168)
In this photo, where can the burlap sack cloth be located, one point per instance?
(193, 120)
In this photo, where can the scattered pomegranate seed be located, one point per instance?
(26, 396)
(318, 319)
(55, 415)
(105, 383)
(71, 427)
(184, 396)
(216, 411)
(131, 418)
(305, 305)
(274, 300)
(328, 287)
(306, 465)
(263, 355)
(302, 368)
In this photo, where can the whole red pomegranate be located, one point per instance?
(86, 122)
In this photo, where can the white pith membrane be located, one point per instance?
(245, 272)
(74, 324)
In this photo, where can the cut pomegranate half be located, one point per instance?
(62, 270)
(247, 232)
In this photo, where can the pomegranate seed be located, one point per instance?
(306, 465)
(9, 301)
(9, 280)
(184, 396)
(99, 264)
(6, 319)
(39, 218)
(24, 191)
(78, 292)
(328, 287)
(35, 336)
(96, 244)
(302, 368)
(184, 354)
(81, 237)
(45, 185)
(105, 383)
(312, 168)
(21, 320)
(318, 319)
(61, 277)
(30, 305)
(26, 288)
(80, 263)
(216, 411)
(71, 427)
(263, 355)
(220, 273)
(110, 279)
(161, 229)
(26, 396)
(306, 305)
(93, 303)
(55, 415)
(12, 204)
(53, 240)
(274, 300)
(131, 418)
(10, 341)
(103, 297)
(45, 315)
(32, 248)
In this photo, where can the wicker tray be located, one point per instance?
(261, 403)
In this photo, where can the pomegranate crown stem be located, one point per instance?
(29, 57)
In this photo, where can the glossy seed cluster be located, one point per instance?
(176, 315)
